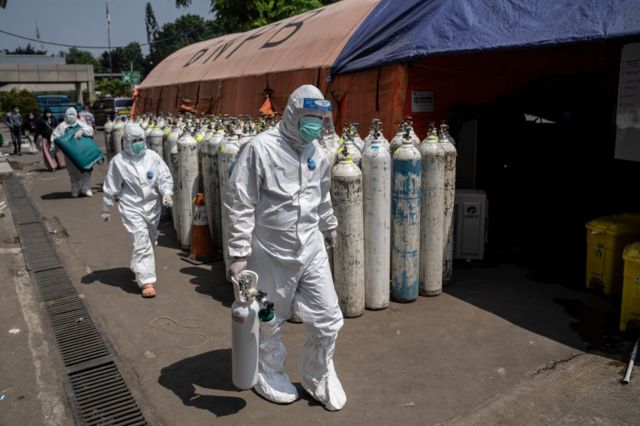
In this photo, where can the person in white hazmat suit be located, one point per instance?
(280, 220)
(80, 180)
(138, 179)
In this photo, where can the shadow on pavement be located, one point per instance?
(211, 282)
(123, 278)
(56, 196)
(554, 305)
(167, 235)
(195, 379)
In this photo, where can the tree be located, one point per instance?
(185, 30)
(23, 99)
(112, 88)
(124, 58)
(29, 50)
(77, 56)
(151, 24)
(242, 15)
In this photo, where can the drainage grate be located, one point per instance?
(100, 395)
(14, 189)
(27, 213)
(103, 397)
(37, 249)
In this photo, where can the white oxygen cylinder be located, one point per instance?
(211, 182)
(432, 216)
(376, 128)
(154, 140)
(357, 140)
(376, 189)
(116, 135)
(245, 331)
(108, 142)
(227, 155)
(188, 186)
(450, 157)
(172, 162)
(348, 253)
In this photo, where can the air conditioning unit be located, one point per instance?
(470, 224)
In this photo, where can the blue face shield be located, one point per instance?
(310, 128)
(137, 147)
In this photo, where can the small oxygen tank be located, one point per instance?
(248, 320)
(432, 216)
(188, 184)
(450, 157)
(348, 253)
(108, 142)
(376, 185)
(405, 231)
(227, 155)
(244, 331)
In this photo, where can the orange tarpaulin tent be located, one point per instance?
(233, 73)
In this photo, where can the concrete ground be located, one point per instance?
(500, 346)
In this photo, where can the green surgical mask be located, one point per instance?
(310, 128)
(138, 147)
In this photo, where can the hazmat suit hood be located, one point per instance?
(296, 109)
(132, 133)
(71, 116)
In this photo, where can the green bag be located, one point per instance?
(83, 152)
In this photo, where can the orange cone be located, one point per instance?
(201, 247)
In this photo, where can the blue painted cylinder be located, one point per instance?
(405, 232)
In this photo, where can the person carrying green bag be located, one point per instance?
(80, 179)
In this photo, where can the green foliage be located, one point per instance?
(28, 50)
(23, 99)
(242, 15)
(125, 57)
(77, 56)
(185, 30)
(113, 88)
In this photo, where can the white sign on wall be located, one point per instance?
(422, 101)
(628, 112)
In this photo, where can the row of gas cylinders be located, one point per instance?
(393, 201)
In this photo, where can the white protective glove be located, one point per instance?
(79, 134)
(167, 201)
(106, 213)
(330, 238)
(238, 265)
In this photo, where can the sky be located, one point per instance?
(83, 22)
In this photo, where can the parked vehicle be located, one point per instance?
(111, 107)
(58, 104)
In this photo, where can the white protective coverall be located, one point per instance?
(80, 180)
(138, 182)
(278, 204)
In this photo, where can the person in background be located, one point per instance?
(80, 180)
(88, 117)
(13, 120)
(53, 158)
(30, 128)
(138, 179)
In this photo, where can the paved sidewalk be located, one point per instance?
(488, 338)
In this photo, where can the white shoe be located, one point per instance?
(88, 193)
(327, 391)
(75, 194)
(278, 389)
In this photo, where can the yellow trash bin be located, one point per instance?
(631, 287)
(606, 239)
